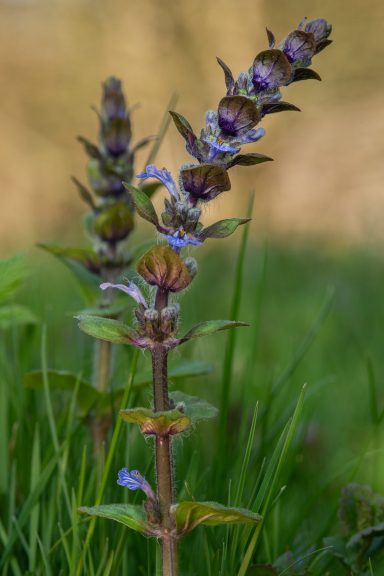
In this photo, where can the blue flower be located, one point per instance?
(134, 481)
(180, 238)
(164, 176)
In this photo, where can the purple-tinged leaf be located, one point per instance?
(304, 74)
(322, 44)
(110, 330)
(299, 46)
(84, 193)
(249, 159)
(184, 128)
(271, 38)
(281, 106)
(228, 76)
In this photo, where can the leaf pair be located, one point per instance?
(188, 515)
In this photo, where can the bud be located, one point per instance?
(151, 322)
(169, 317)
(162, 267)
(237, 115)
(114, 223)
(113, 103)
(299, 47)
(271, 69)
(116, 135)
(103, 183)
(191, 265)
(320, 29)
(205, 182)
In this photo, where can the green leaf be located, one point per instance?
(142, 204)
(210, 327)
(12, 274)
(84, 256)
(107, 329)
(196, 408)
(305, 74)
(127, 514)
(191, 514)
(13, 314)
(87, 395)
(222, 228)
(248, 159)
(159, 423)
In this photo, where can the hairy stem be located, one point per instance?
(163, 453)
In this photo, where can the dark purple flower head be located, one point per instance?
(299, 47)
(113, 103)
(320, 29)
(271, 69)
(135, 481)
(204, 182)
(237, 115)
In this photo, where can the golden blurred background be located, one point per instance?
(327, 181)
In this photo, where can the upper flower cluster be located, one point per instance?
(254, 94)
(111, 161)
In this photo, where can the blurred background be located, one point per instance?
(326, 181)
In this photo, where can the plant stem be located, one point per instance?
(163, 453)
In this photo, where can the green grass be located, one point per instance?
(316, 319)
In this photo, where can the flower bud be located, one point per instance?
(168, 319)
(162, 267)
(104, 184)
(116, 135)
(114, 223)
(237, 115)
(151, 322)
(205, 182)
(191, 265)
(113, 103)
(299, 47)
(271, 69)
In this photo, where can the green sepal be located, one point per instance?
(158, 423)
(131, 516)
(196, 408)
(191, 514)
(142, 204)
(305, 74)
(248, 159)
(16, 315)
(110, 330)
(210, 327)
(222, 228)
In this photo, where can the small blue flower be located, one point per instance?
(164, 176)
(180, 238)
(130, 288)
(134, 481)
(252, 136)
(216, 142)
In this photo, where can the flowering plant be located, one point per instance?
(255, 94)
